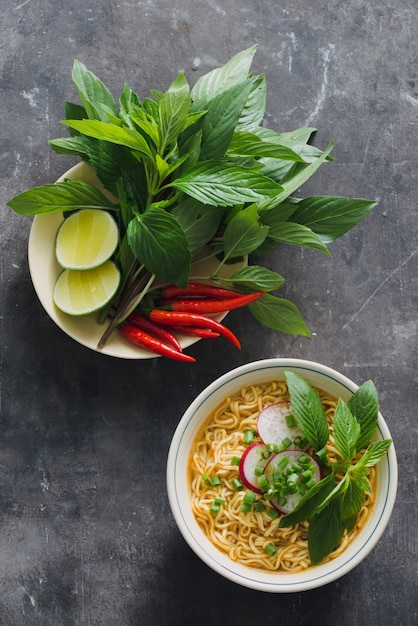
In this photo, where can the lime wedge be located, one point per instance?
(79, 292)
(86, 239)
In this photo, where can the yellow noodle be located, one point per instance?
(244, 536)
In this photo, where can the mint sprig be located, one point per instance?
(333, 504)
(221, 184)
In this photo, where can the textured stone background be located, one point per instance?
(86, 535)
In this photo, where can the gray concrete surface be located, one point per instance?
(86, 534)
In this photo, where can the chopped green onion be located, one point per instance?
(292, 478)
(248, 437)
(248, 502)
(278, 476)
(322, 455)
(258, 470)
(283, 462)
(310, 483)
(284, 444)
(216, 505)
(237, 484)
(273, 513)
(236, 460)
(259, 507)
(307, 474)
(300, 442)
(304, 459)
(249, 497)
(263, 483)
(270, 549)
(272, 447)
(290, 420)
(211, 482)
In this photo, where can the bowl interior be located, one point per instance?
(44, 271)
(178, 489)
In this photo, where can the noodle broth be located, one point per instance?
(244, 536)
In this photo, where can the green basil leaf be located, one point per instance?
(198, 221)
(291, 233)
(293, 183)
(147, 126)
(253, 278)
(295, 140)
(233, 72)
(346, 430)
(111, 163)
(351, 502)
(331, 216)
(325, 532)
(309, 503)
(127, 100)
(73, 145)
(94, 95)
(173, 108)
(246, 143)
(74, 111)
(225, 184)
(115, 134)
(255, 105)
(243, 233)
(221, 117)
(158, 242)
(296, 136)
(70, 195)
(360, 475)
(364, 405)
(191, 146)
(279, 170)
(125, 257)
(279, 314)
(308, 410)
(374, 453)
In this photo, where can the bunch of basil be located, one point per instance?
(196, 174)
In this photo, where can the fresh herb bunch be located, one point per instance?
(333, 504)
(195, 174)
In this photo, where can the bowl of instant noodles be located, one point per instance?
(282, 475)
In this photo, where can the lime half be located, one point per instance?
(86, 239)
(79, 292)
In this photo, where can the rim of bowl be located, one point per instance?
(178, 491)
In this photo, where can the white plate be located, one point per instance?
(44, 271)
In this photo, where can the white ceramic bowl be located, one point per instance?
(178, 489)
(44, 270)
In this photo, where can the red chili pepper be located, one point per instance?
(213, 306)
(140, 338)
(199, 289)
(174, 318)
(144, 323)
(204, 333)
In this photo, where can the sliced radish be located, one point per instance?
(273, 427)
(252, 457)
(291, 499)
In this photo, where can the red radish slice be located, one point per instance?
(292, 499)
(252, 458)
(272, 426)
